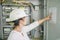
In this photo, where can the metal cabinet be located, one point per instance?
(1, 22)
(52, 27)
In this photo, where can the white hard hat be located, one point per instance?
(16, 14)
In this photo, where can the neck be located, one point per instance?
(18, 28)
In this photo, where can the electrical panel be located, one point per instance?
(8, 26)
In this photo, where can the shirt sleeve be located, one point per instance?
(31, 26)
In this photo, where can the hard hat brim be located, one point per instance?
(10, 20)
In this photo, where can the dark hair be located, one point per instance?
(16, 22)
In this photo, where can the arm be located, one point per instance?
(35, 24)
(44, 19)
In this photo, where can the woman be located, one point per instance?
(20, 30)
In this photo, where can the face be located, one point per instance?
(23, 21)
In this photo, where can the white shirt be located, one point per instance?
(14, 35)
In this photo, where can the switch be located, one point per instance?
(53, 11)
